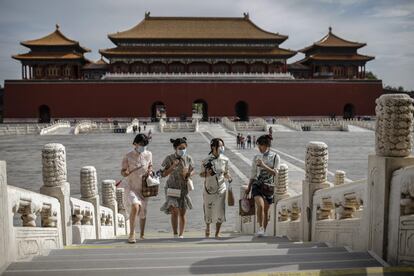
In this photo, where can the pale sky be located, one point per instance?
(387, 26)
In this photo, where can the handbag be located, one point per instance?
(153, 180)
(246, 206)
(174, 192)
(190, 185)
(148, 191)
(230, 197)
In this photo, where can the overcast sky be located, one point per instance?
(387, 26)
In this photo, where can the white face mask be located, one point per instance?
(140, 149)
(221, 150)
(181, 152)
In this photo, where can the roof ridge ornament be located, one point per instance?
(57, 26)
(147, 14)
(246, 15)
(330, 29)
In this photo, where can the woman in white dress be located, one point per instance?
(215, 170)
(135, 165)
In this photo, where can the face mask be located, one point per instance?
(140, 149)
(221, 150)
(181, 152)
(266, 153)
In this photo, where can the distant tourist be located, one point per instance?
(149, 135)
(271, 132)
(242, 141)
(238, 140)
(254, 140)
(249, 141)
(139, 129)
(179, 168)
(215, 169)
(135, 165)
(134, 128)
(262, 180)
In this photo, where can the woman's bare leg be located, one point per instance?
(218, 226)
(266, 214)
(132, 218)
(182, 221)
(260, 210)
(174, 219)
(142, 226)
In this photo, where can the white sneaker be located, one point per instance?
(181, 237)
(175, 236)
(260, 232)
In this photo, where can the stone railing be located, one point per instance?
(401, 217)
(107, 223)
(339, 215)
(288, 218)
(376, 214)
(199, 76)
(83, 223)
(178, 127)
(21, 129)
(51, 218)
(287, 122)
(84, 126)
(55, 126)
(361, 123)
(229, 124)
(29, 237)
(130, 127)
(256, 124)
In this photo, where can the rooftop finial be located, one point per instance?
(246, 15)
(57, 26)
(330, 29)
(147, 14)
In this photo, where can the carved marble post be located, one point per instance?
(109, 200)
(393, 144)
(89, 192)
(339, 177)
(55, 184)
(120, 199)
(282, 183)
(316, 171)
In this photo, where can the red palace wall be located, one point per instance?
(22, 99)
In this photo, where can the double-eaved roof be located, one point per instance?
(197, 28)
(59, 47)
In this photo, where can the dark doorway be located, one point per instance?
(158, 111)
(200, 106)
(242, 111)
(349, 111)
(44, 114)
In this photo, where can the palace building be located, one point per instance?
(228, 65)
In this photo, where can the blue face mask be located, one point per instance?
(221, 150)
(181, 152)
(140, 149)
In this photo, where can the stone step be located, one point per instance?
(200, 264)
(145, 253)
